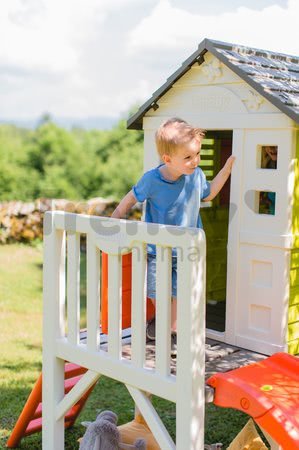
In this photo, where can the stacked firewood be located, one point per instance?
(23, 222)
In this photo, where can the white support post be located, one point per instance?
(163, 309)
(138, 303)
(93, 295)
(53, 328)
(72, 397)
(73, 287)
(151, 417)
(114, 305)
(190, 379)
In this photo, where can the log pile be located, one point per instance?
(23, 222)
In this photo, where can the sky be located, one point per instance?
(86, 58)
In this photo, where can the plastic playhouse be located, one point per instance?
(245, 275)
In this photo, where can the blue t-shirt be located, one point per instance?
(172, 202)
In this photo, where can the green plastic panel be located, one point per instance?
(293, 317)
(215, 222)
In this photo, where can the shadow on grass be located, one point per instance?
(21, 365)
(107, 394)
(29, 347)
(16, 398)
(223, 424)
(39, 266)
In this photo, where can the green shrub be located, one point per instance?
(53, 162)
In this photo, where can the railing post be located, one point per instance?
(53, 328)
(163, 310)
(190, 382)
(73, 287)
(93, 294)
(138, 303)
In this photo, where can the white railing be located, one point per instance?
(119, 237)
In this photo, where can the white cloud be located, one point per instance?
(169, 28)
(166, 28)
(44, 35)
(30, 40)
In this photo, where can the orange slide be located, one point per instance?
(268, 391)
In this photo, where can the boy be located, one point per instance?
(173, 192)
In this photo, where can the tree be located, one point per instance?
(53, 162)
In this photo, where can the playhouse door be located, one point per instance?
(216, 148)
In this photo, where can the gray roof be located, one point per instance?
(274, 75)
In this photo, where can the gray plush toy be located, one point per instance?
(103, 434)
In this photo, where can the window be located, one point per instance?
(266, 202)
(267, 156)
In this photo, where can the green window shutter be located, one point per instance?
(210, 159)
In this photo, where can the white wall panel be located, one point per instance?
(262, 303)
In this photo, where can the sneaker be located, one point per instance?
(151, 330)
(173, 345)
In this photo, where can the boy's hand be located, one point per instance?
(125, 205)
(218, 182)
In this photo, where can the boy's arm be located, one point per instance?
(218, 182)
(124, 206)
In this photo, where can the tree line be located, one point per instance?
(78, 164)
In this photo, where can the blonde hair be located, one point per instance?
(174, 133)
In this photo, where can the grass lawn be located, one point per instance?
(21, 359)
